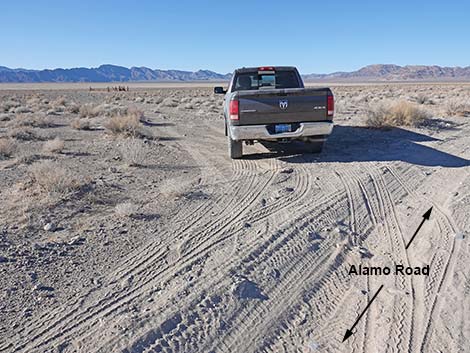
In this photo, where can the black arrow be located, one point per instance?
(425, 217)
(349, 331)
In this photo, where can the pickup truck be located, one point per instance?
(271, 103)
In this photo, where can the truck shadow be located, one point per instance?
(360, 144)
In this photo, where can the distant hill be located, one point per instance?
(106, 73)
(388, 72)
(112, 73)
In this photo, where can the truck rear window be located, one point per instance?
(253, 80)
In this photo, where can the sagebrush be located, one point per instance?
(387, 114)
(129, 124)
(51, 177)
(133, 152)
(53, 146)
(8, 147)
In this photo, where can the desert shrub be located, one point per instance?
(92, 111)
(134, 111)
(169, 102)
(73, 108)
(42, 121)
(133, 152)
(207, 104)
(458, 107)
(22, 120)
(81, 124)
(34, 120)
(395, 113)
(5, 117)
(423, 99)
(23, 133)
(8, 146)
(54, 111)
(25, 157)
(197, 101)
(126, 209)
(51, 177)
(112, 110)
(22, 110)
(123, 125)
(127, 125)
(175, 188)
(9, 105)
(89, 111)
(59, 102)
(34, 100)
(339, 105)
(53, 146)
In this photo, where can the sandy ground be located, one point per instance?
(249, 255)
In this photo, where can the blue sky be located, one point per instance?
(316, 36)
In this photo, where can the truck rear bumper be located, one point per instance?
(260, 132)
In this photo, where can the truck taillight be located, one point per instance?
(266, 70)
(233, 110)
(330, 105)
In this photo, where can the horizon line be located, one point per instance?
(227, 73)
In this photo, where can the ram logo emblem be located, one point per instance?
(283, 104)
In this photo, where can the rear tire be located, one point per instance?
(235, 148)
(314, 146)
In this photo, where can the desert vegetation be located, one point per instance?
(52, 178)
(127, 124)
(458, 107)
(133, 152)
(53, 146)
(126, 209)
(23, 133)
(7, 147)
(40, 120)
(111, 193)
(388, 114)
(81, 124)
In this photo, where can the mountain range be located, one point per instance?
(106, 73)
(113, 73)
(389, 72)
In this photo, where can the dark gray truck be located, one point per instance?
(271, 103)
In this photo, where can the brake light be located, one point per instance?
(266, 68)
(330, 105)
(233, 110)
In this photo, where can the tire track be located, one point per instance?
(110, 304)
(309, 302)
(253, 257)
(159, 254)
(448, 229)
(156, 254)
(363, 230)
(100, 304)
(406, 310)
(139, 344)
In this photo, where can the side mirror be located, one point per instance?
(219, 90)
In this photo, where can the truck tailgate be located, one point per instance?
(283, 106)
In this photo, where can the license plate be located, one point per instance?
(279, 128)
